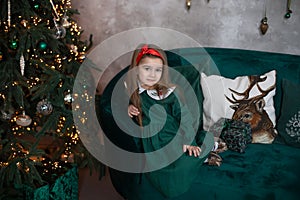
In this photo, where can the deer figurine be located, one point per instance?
(251, 110)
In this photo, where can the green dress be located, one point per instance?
(163, 119)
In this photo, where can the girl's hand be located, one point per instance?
(133, 111)
(193, 150)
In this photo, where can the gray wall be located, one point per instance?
(217, 23)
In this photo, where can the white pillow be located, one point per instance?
(215, 89)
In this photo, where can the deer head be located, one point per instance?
(251, 110)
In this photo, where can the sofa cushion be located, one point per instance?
(237, 62)
(289, 120)
(221, 101)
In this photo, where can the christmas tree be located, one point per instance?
(40, 54)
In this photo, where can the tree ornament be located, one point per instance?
(264, 22)
(7, 114)
(188, 4)
(23, 120)
(60, 31)
(65, 21)
(1, 55)
(35, 4)
(13, 44)
(22, 64)
(44, 107)
(42, 45)
(82, 55)
(24, 23)
(288, 14)
(264, 25)
(68, 98)
(73, 48)
(289, 11)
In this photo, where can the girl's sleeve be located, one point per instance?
(187, 123)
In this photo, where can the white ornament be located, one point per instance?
(23, 119)
(68, 98)
(22, 64)
(65, 23)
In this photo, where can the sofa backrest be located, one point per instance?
(231, 63)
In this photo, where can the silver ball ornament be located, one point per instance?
(60, 32)
(44, 107)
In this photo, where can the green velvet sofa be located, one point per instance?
(263, 171)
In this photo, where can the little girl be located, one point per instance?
(148, 85)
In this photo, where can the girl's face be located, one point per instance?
(149, 71)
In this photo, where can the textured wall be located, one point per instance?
(214, 23)
(217, 23)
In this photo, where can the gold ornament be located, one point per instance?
(264, 25)
(264, 21)
(24, 23)
(73, 48)
(81, 55)
(188, 4)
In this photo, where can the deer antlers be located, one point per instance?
(254, 80)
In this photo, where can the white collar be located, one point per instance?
(153, 93)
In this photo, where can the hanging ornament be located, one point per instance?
(289, 11)
(188, 4)
(264, 21)
(68, 98)
(24, 23)
(7, 114)
(23, 119)
(65, 21)
(35, 4)
(8, 13)
(60, 31)
(22, 64)
(42, 45)
(73, 48)
(13, 44)
(81, 55)
(44, 107)
(264, 25)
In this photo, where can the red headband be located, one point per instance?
(146, 50)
